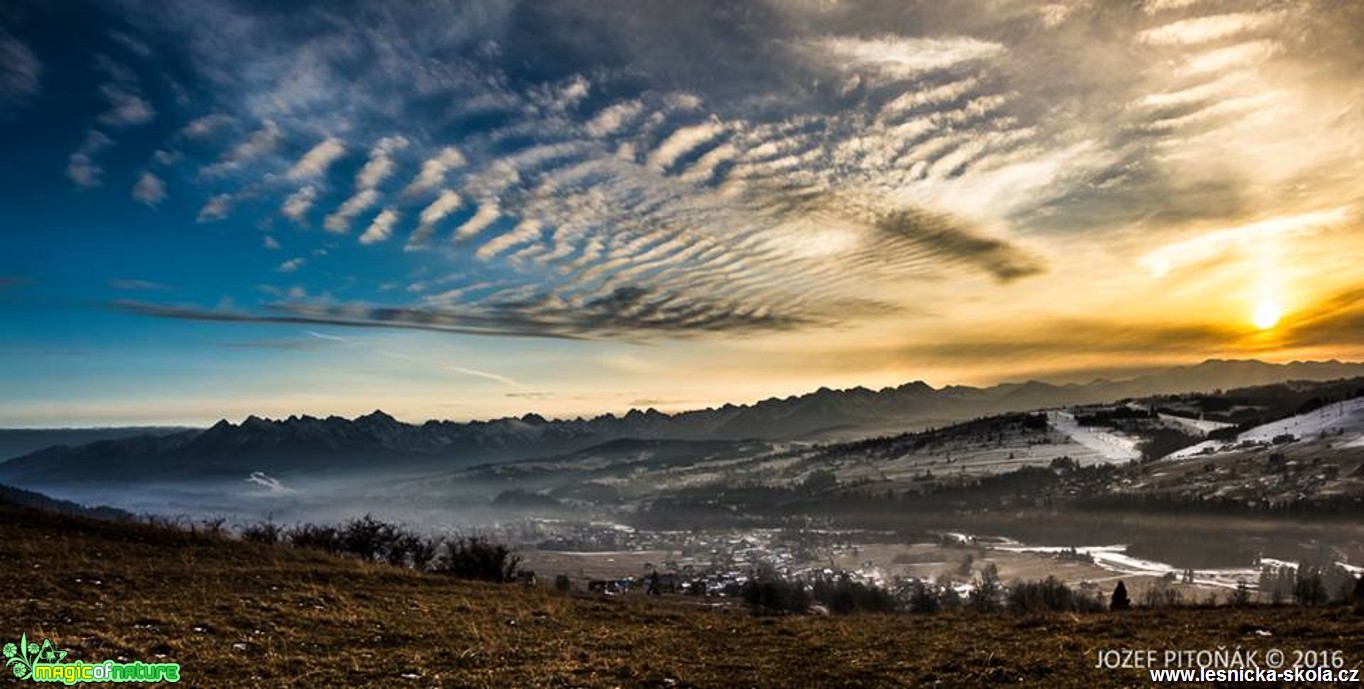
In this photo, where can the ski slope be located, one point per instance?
(1345, 418)
(1114, 447)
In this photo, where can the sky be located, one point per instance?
(471, 210)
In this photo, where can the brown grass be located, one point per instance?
(235, 614)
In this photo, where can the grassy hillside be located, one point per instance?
(237, 614)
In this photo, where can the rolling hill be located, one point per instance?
(235, 614)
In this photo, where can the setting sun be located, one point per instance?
(1267, 315)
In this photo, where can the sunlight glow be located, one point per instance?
(1267, 315)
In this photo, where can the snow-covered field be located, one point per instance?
(1111, 446)
(1202, 426)
(1346, 417)
(1115, 559)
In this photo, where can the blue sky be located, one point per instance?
(464, 210)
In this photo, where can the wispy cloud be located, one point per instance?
(433, 171)
(297, 205)
(951, 241)
(20, 74)
(81, 168)
(339, 220)
(1209, 28)
(810, 168)
(438, 210)
(488, 212)
(259, 143)
(315, 162)
(216, 208)
(136, 285)
(126, 107)
(381, 228)
(488, 376)
(613, 118)
(898, 57)
(377, 169)
(682, 141)
(380, 164)
(291, 265)
(149, 189)
(205, 126)
(1209, 245)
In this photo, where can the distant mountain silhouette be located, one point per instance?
(15, 442)
(377, 442)
(27, 498)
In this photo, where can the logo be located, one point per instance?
(43, 662)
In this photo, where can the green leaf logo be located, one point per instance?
(20, 658)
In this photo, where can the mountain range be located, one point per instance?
(21, 441)
(376, 442)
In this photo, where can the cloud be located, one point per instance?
(446, 203)
(350, 317)
(126, 107)
(1066, 338)
(149, 189)
(339, 221)
(487, 214)
(381, 228)
(259, 143)
(953, 243)
(509, 382)
(682, 141)
(613, 117)
(525, 231)
(432, 174)
(1209, 245)
(298, 204)
(269, 483)
(216, 208)
(378, 168)
(291, 265)
(898, 57)
(380, 164)
(568, 94)
(205, 126)
(81, 167)
(712, 176)
(135, 285)
(627, 312)
(132, 45)
(1210, 28)
(315, 162)
(20, 74)
(270, 243)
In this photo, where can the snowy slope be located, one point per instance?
(1201, 426)
(1114, 447)
(1346, 417)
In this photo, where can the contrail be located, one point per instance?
(322, 336)
(509, 382)
(490, 376)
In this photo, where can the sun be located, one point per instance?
(1267, 315)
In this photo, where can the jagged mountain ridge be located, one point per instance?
(377, 441)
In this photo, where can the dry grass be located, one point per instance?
(235, 614)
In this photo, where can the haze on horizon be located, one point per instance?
(470, 210)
